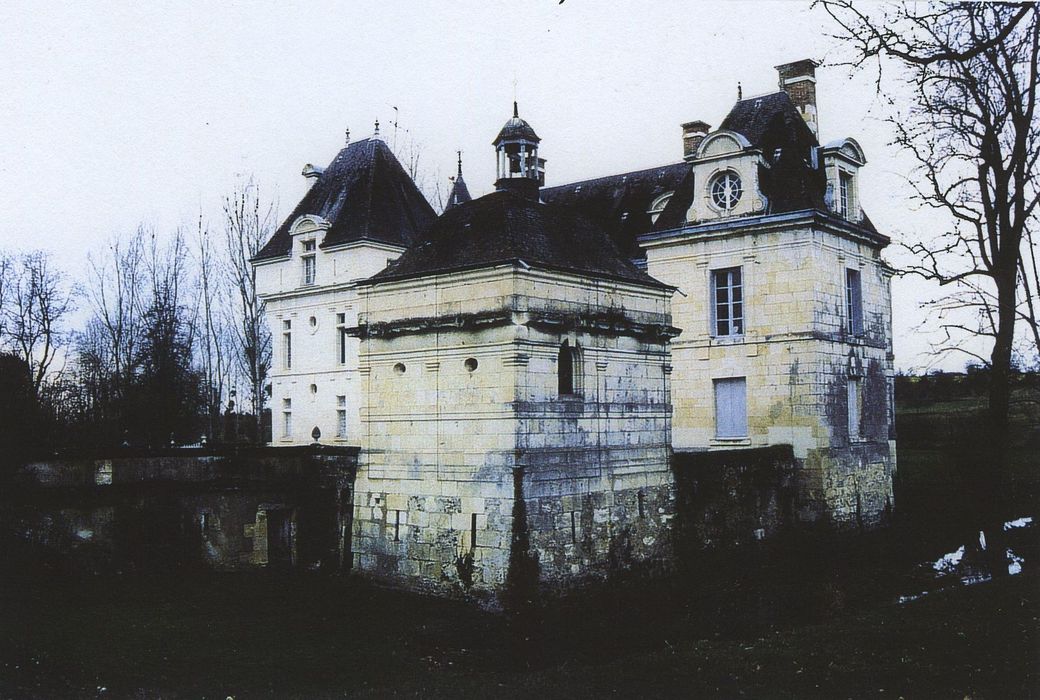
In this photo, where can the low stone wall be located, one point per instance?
(238, 509)
(319, 465)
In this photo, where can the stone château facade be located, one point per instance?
(519, 370)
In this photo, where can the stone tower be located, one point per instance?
(516, 411)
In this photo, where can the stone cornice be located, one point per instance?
(766, 222)
(606, 323)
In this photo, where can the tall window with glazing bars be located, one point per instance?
(727, 302)
(309, 262)
(853, 302)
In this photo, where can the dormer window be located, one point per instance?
(726, 190)
(843, 159)
(309, 261)
(658, 205)
(845, 194)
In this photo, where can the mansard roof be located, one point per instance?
(772, 125)
(504, 227)
(757, 119)
(364, 194)
(619, 203)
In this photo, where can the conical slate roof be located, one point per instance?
(504, 227)
(459, 193)
(365, 194)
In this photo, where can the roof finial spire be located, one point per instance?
(377, 127)
(460, 162)
(516, 111)
(347, 133)
(740, 91)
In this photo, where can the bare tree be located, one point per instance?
(167, 397)
(40, 301)
(212, 301)
(5, 272)
(1029, 273)
(117, 296)
(969, 73)
(248, 223)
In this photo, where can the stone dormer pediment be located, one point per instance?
(722, 143)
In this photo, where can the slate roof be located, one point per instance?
(365, 193)
(459, 193)
(504, 227)
(772, 124)
(756, 119)
(516, 128)
(618, 203)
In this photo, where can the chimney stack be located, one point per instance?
(798, 80)
(312, 172)
(692, 135)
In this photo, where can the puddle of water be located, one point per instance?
(968, 566)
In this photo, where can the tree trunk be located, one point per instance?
(999, 433)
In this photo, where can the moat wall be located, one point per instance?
(293, 507)
(183, 508)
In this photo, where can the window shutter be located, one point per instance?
(731, 408)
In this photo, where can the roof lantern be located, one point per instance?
(519, 167)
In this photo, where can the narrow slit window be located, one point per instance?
(341, 339)
(287, 344)
(855, 408)
(853, 302)
(566, 365)
(341, 417)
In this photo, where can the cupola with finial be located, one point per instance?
(519, 167)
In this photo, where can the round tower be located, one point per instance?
(519, 167)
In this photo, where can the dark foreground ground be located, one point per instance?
(804, 617)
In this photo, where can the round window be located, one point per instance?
(726, 190)
(399, 368)
(471, 364)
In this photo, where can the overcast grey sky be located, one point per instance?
(116, 114)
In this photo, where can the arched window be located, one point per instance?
(566, 369)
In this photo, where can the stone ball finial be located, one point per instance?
(315, 434)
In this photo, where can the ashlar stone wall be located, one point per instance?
(474, 466)
(795, 354)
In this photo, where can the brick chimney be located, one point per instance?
(798, 80)
(692, 135)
